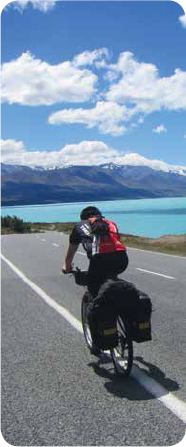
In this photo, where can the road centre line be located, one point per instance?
(154, 273)
(174, 404)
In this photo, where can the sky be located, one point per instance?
(92, 82)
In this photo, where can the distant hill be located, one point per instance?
(22, 185)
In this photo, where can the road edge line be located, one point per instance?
(52, 303)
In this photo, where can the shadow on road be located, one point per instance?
(157, 374)
(129, 388)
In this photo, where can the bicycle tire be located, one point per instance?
(122, 354)
(84, 319)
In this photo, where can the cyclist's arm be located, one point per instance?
(74, 241)
(67, 267)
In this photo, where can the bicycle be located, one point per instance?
(122, 354)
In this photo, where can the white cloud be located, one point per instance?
(159, 129)
(140, 120)
(87, 153)
(131, 89)
(83, 153)
(12, 151)
(92, 57)
(30, 81)
(42, 5)
(182, 20)
(142, 89)
(107, 116)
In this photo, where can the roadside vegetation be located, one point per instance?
(170, 244)
(13, 224)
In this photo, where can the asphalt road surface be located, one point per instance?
(54, 392)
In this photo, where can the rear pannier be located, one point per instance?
(141, 320)
(135, 306)
(103, 325)
(119, 297)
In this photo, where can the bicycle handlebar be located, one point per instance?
(73, 271)
(81, 277)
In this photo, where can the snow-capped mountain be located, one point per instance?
(31, 185)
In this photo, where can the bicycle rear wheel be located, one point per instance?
(84, 319)
(122, 354)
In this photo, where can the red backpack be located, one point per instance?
(106, 237)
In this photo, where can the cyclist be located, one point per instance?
(101, 241)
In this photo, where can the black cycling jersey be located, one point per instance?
(101, 265)
(82, 234)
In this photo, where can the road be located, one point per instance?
(53, 391)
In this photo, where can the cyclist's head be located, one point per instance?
(90, 211)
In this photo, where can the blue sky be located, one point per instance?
(94, 82)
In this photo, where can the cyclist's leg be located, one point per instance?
(103, 266)
(95, 279)
(115, 263)
(96, 275)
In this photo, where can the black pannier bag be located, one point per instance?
(141, 320)
(119, 297)
(102, 318)
(103, 326)
(134, 305)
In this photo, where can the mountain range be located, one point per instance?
(23, 185)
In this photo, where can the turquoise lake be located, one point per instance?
(143, 217)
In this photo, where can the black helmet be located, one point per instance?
(90, 211)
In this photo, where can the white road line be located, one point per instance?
(43, 240)
(80, 253)
(60, 309)
(174, 404)
(56, 245)
(154, 273)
